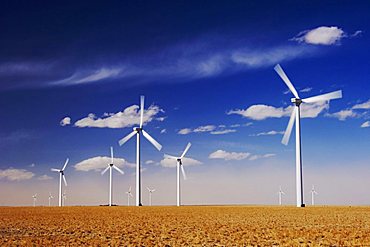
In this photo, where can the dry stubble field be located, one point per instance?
(189, 226)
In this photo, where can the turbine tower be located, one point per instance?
(179, 166)
(129, 194)
(110, 167)
(296, 117)
(150, 195)
(281, 193)
(313, 193)
(61, 176)
(34, 199)
(139, 130)
(50, 197)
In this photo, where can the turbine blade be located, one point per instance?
(186, 150)
(148, 189)
(324, 97)
(55, 170)
(117, 169)
(153, 190)
(289, 128)
(111, 155)
(129, 189)
(126, 138)
(285, 78)
(141, 110)
(65, 181)
(105, 170)
(65, 164)
(169, 157)
(151, 139)
(183, 172)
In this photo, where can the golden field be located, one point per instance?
(185, 226)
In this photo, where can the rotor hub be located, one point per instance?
(296, 101)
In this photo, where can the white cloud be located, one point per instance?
(98, 163)
(166, 162)
(306, 90)
(163, 131)
(92, 75)
(261, 112)
(13, 174)
(365, 105)
(184, 131)
(343, 114)
(272, 132)
(65, 121)
(221, 154)
(256, 156)
(44, 177)
(126, 118)
(222, 132)
(149, 162)
(205, 128)
(365, 124)
(32, 165)
(321, 36)
(357, 33)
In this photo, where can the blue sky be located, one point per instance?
(206, 70)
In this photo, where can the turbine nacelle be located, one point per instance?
(296, 101)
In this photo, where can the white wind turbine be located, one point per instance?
(110, 166)
(137, 131)
(179, 166)
(61, 176)
(34, 199)
(281, 193)
(150, 195)
(50, 197)
(296, 117)
(313, 193)
(129, 194)
(64, 198)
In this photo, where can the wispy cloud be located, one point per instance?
(101, 162)
(126, 118)
(44, 177)
(212, 129)
(221, 154)
(87, 76)
(365, 124)
(223, 132)
(12, 174)
(355, 111)
(364, 106)
(305, 90)
(269, 133)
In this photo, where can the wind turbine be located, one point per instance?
(313, 193)
(50, 197)
(34, 199)
(281, 193)
(110, 166)
(179, 166)
(150, 195)
(61, 176)
(137, 131)
(64, 198)
(129, 194)
(296, 116)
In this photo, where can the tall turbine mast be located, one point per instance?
(296, 117)
(61, 177)
(180, 166)
(139, 130)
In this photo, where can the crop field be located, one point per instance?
(188, 225)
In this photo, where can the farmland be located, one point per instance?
(188, 225)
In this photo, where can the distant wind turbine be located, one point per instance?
(296, 117)
(313, 193)
(64, 198)
(179, 166)
(137, 131)
(34, 199)
(61, 176)
(110, 166)
(281, 193)
(150, 195)
(129, 194)
(50, 197)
